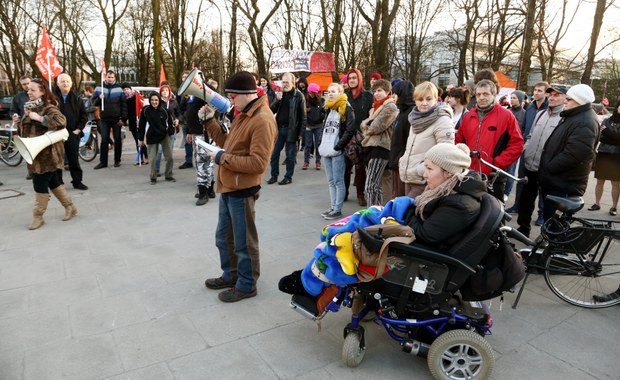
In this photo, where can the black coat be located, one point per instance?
(569, 152)
(73, 109)
(159, 124)
(346, 130)
(405, 105)
(361, 106)
(447, 219)
(296, 115)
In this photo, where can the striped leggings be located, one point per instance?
(374, 172)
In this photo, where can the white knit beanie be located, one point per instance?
(451, 158)
(581, 93)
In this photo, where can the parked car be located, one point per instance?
(5, 106)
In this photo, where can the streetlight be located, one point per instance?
(221, 69)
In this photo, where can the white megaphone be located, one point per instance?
(29, 147)
(194, 85)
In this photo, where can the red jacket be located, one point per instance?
(498, 138)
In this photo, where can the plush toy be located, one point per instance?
(334, 261)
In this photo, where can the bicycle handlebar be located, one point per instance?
(475, 153)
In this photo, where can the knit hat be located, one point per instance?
(451, 158)
(314, 88)
(344, 79)
(375, 76)
(241, 82)
(520, 95)
(125, 85)
(396, 80)
(581, 93)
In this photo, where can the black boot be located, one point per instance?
(203, 198)
(211, 192)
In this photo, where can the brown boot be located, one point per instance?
(65, 200)
(40, 205)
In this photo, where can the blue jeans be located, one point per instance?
(188, 146)
(334, 171)
(313, 139)
(236, 238)
(291, 152)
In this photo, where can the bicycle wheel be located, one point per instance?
(90, 149)
(10, 155)
(587, 280)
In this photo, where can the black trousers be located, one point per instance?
(527, 201)
(72, 146)
(45, 181)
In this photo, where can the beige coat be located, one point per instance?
(411, 164)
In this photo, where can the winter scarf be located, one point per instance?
(421, 120)
(445, 188)
(378, 103)
(340, 104)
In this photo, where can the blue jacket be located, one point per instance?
(530, 115)
(115, 104)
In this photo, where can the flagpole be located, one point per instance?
(49, 72)
(102, 95)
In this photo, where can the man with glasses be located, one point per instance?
(569, 152)
(493, 131)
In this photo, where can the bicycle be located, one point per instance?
(89, 143)
(578, 257)
(8, 151)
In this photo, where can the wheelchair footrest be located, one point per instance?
(305, 306)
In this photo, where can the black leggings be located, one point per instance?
(45, 181)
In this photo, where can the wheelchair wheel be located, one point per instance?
(353, 350)
(460, 354)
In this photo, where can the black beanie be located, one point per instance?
(242, 82)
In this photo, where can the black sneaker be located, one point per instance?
(171, 179)
(272, 180)
(100, 166)
(186, 165)
(285, 181)
(80, 186)
(202, 200)
(220, 283)
(234, 295)
(332, 215)
(117, 164)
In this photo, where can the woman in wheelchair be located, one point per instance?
(439, 217)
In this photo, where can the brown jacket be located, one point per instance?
(248, 147)
(377, 129)
(50, 158)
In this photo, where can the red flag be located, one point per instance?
(162, 74)
(139, 103)
(46, 59)
(104, 71)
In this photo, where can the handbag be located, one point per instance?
(372, 256)
(353, 150)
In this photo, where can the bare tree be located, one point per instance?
(503, 27)
(416, 18)
(527, 48)
(256, 29)
(597, 22)
(112, 13)
(332, 18)
(380, 25)
(548, 37)
(464, 33)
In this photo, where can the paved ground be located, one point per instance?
(117, 293)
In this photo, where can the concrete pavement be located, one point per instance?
(118, 293)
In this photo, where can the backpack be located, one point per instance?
(499, 271)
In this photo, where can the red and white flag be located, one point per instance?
(139, 103)
(46, 59)
(162, 74)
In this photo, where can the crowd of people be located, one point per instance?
(382, 137)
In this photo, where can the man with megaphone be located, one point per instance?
(247, 148)
(42, 130)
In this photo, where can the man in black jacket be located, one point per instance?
(290, 110)
(72, 107)
(567, 158)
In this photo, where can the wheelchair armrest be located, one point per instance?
(426, 253)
